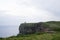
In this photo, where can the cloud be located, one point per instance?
(35, 10)
(49, 5)
(16, 11)
(7, 4)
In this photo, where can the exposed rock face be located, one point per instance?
(28, 28)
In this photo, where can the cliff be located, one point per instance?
(28, 28)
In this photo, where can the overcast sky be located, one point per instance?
(14, 12)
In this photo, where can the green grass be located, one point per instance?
(54, 25)
(44, 36)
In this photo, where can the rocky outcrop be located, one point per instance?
(28, 28)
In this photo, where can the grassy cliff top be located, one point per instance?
(48, 24)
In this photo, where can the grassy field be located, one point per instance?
(37, 36)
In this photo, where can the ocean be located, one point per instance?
(9, 30)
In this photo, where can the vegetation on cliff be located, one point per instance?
(43, 36)
(26, 28)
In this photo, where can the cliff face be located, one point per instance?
(28, 28)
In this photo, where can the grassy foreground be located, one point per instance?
(36, 36)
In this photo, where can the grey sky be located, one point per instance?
(29, 10)
(50, 5)
(14, 12)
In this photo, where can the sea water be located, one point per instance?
(8, 30)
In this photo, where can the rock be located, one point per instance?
(28, 28)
